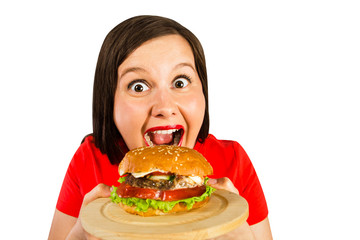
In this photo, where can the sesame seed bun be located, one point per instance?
(179, 160)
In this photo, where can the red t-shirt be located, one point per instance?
(90, 167)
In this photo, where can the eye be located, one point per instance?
(138, 86)
(181, 81)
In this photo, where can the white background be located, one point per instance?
(283, 79)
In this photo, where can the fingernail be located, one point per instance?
(212, 181)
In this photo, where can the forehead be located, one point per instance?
(170, 49)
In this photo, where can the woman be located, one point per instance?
(150, 88)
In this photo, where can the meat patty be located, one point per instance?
(144, 182)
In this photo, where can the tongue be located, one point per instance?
(161, 139)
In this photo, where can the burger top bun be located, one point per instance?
(179, 160)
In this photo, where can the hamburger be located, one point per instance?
(162, 179)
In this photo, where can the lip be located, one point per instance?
(167, 127)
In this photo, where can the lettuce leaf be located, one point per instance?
(144, 204)
(122, 179)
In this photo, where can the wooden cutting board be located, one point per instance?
(224, 212)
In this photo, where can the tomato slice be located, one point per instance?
(177, 194)
(125, 191)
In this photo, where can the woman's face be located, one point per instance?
(159, 98)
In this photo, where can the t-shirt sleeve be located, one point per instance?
(70, 197)
(250, 187)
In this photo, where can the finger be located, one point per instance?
(100, 191)
(223, 183)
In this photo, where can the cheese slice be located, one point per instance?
(141, 174)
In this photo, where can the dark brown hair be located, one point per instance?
(117, 46)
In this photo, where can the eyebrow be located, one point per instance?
(139, 69)
(185, 64)
(132, 69)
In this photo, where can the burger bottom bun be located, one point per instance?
(179, 207)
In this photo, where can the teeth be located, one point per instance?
(149, 142)
(170, 131)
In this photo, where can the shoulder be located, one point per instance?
(90, 166)
(212, 145)
(223, 155)
(88, 158)
(88, 150)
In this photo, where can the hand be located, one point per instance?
(78, 232)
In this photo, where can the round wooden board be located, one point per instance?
(224, 212)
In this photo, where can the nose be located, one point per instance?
(164, 105)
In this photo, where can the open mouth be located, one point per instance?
(165, 135)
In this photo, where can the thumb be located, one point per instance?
(100, 191)
(223, 183)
